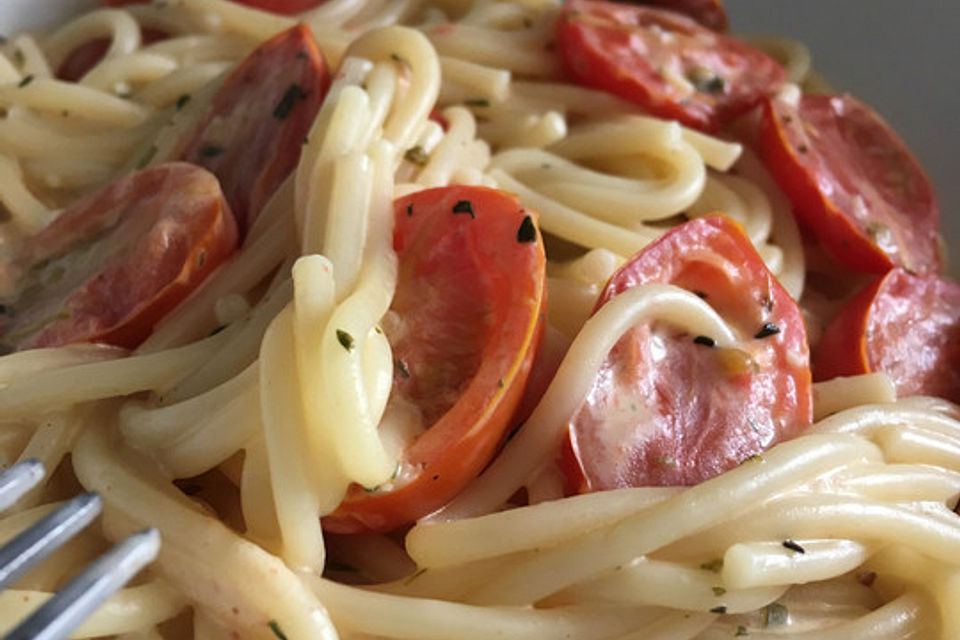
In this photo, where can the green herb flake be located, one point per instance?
(754, 458)
(705, 81)
(793, 546)
(768, 329)
(500, 384)
(527, 231)
(396, 57)
(275, 627)
(416, 155)
(718, 591)
(713, 566)
(464, 206)
(182, 101)
(211, 150)
(705, 341)
(776, 615)
(477, 102)
(741, 631)
(720, 609)
(409, 210)
(26, 80)
(288, 101)
(146, 157)
(345, 339)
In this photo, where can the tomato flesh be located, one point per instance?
(665, 62)
(853, 183)
(468, 300)
(668, 408)
(904, 325)
(253, 133)
(109, 267)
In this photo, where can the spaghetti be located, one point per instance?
(255, 406)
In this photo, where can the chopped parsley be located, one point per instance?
(26, 80)
(793, 546)
(705, 341)
(275, 627)
(464, 206)
(768, 329)
(718, 591)
(416, 155)
(477, 102)
(741, 631)
(288, 101)
(182, 101)
(720, 609)
(211, 151)
(345, 339)
(776, 615)
(714, 566)
(527, 231)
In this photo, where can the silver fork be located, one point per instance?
(59, 616)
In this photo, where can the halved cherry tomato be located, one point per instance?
(663, 61)
(904, 325)
(853, 183)
(118, 260)
(286, 7)
(468, 304)
(669, 408)
(87, 55)
(252, 136)
(709, 13)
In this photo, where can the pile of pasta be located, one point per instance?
(234, 443)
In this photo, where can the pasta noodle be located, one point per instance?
(245, 417)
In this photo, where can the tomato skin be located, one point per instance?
(853, 183)
(621, 49)
(155, 235)
(285, 7)
(253, 133)
(469, 297)
(905, 325)
(709, 13)
(666, 410)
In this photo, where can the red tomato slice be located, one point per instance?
(668, 408)
(118, 260)
(87, 55)
(252, 136)
(468, 299)
(663, 61)
(853, 183)
(904, 325)
(286, 7)
(709, 13)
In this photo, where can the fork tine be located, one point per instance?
(61, 614)
(44, 537)
(17, 480)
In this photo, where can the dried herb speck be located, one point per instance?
(527, 231)
(288, 101)
(345, 339)
(768, 329)
(464, 206)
